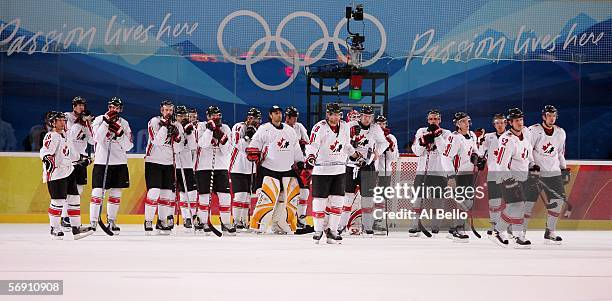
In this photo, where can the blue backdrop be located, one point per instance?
(482, 57)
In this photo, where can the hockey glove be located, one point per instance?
(116, 129)
(48, 162)
(84, 161)
(253, 154)
(474, 158)
(566, 175)
(220, 136)
(189, 129)
(250, 132)
(534, 171)
(481, 163)
(435, 130)
(310, 161)
(110, 117)
(211, 125)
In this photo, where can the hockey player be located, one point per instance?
(212, 167)
(390, 155)
(79, 108)
(353, 115)
(276, 147)
(384, 163)
(164, 134)
(303, 175)
(79, 135)
(514, 166)
(183, 161)
(241, 169)
(110, 129)
(430, 173)
(369, 140)
(548, 142)
(327, 154)
(58, 173)
(459, 157)
(489, 149)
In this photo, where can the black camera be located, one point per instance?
(357, 15)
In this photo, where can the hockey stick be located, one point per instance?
(419, 223)
(186, 191)
(100, 223)
(386, 209)
(177, 193)
(470, 211)
(212, 180)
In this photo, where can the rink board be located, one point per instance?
(24, 198)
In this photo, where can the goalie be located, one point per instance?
(275, 146)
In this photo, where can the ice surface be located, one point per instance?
(250, 267)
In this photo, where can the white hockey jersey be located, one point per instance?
(387, 157)
(456, 152)
(238, 161)
(300, 132)
(79, 136)
(490, 148)
(160, 147)
(548, 150)
(279, 147)
(514, 156)
(369, 139)
(207, 146)
(185, 148)
(434, 163)
(71, 118)
(56, 145)
(330, 149)
(120, 145)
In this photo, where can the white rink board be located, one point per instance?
(249, 267)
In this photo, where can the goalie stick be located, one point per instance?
(212, 180)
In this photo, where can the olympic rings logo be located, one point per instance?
(279, 41)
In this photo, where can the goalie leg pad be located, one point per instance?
(291, 196)
(264, 209)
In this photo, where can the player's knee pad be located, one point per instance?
(466, 205)
(97, 192)
(153, 194)
(516, 209)
(336, 201)
(241, 197)
(416, 203)
(318, 206)
(204, 199)
(114, 192)
(165, 194)
(73, 200)
(349, 198)
(225, 199)
(555, 205)
(268, 197)
(304, 193)
(495, 204)
(58, 203)
(513, 193)
(528, 207)
(367, 202)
